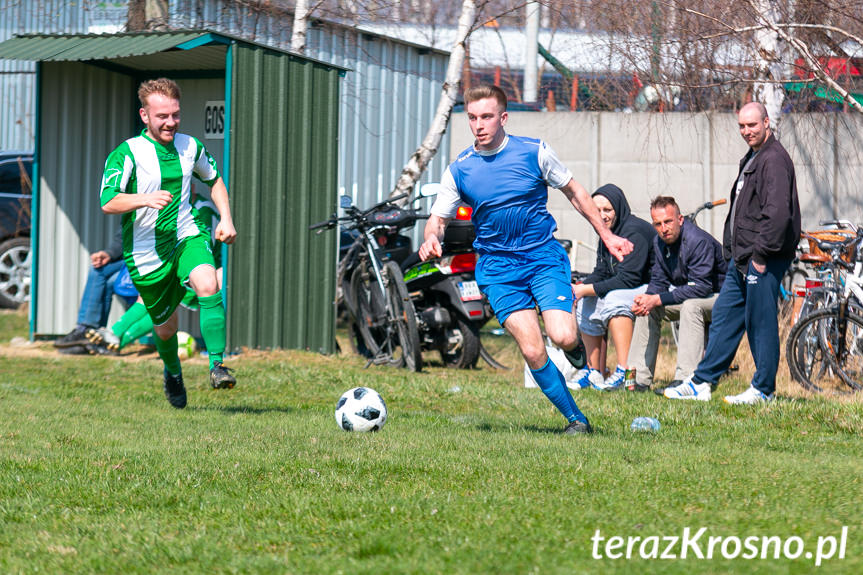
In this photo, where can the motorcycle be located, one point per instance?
(450, 307)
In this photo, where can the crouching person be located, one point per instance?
(605, 298)
(687, 273)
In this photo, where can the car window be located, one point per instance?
(15, 177)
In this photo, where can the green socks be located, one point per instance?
(213, 326)
(167, 349)
(133, 324)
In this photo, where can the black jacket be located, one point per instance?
(767, 222)
(698, 266)
(610, 274)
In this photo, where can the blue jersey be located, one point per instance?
(508, 191)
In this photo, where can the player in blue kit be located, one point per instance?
(505, 180)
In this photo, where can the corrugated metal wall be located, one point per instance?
(86, 109)
(284, 158)
(18, 79)
(388, 103)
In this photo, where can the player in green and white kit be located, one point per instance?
(148, 179)
(136, 322)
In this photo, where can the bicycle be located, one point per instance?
(824, 350)
(384, 320)
(825, 288)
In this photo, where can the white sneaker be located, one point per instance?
(612, 382)
(748, 397)
(585, 378)
(689, 390)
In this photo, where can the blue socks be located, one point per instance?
(552, 384)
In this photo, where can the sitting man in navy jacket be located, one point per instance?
(687, 273)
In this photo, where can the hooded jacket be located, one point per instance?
(609, 274)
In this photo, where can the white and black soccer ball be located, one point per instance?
(361, 409)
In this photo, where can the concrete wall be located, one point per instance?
(693, 157)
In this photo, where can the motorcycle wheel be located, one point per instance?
(460, 349)
(405, 317)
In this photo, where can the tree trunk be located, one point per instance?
(301, 24)
(804, 50)
(147, 15)
(420, 159)
(768, 68)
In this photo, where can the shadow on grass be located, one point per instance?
(232, 409)
(485, 426)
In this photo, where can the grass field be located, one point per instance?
(470, 475)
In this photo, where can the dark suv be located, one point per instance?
(15, 194)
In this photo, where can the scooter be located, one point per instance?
(450, 307)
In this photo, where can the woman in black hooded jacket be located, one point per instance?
(604, 298)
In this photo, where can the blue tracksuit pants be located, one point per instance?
(746, 304)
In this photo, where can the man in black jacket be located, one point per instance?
(604, 298)
(688, 269)
(761, 235)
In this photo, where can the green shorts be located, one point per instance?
(163, 290)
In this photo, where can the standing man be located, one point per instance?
(687, 273)
(761, 234)
(505, 180)
(148, 179)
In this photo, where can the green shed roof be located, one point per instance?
(134, 50)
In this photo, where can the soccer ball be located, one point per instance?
(186, 345)
(361, 409)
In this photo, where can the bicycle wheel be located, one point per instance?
(371, 312)
(404, 316)
(812, 347)
(848, 349)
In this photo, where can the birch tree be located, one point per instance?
(769, 70)
(301, 24)
(420, 159)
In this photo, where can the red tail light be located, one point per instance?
(810, 283)
(463, 213)
(463, 263)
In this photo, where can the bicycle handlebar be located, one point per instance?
(705, 206)
(355, 214)
(326, 224)
(841, 224)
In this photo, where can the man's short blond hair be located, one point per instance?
(163, 86)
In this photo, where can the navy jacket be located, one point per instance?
(609, 274)
(698, 266)
(115, 250)
(767, 223)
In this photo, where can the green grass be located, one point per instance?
(99, 474)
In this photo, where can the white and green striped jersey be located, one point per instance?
(208, 216)
(141, 165)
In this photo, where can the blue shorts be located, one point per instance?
(516, 281)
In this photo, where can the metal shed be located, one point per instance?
(277, 151)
